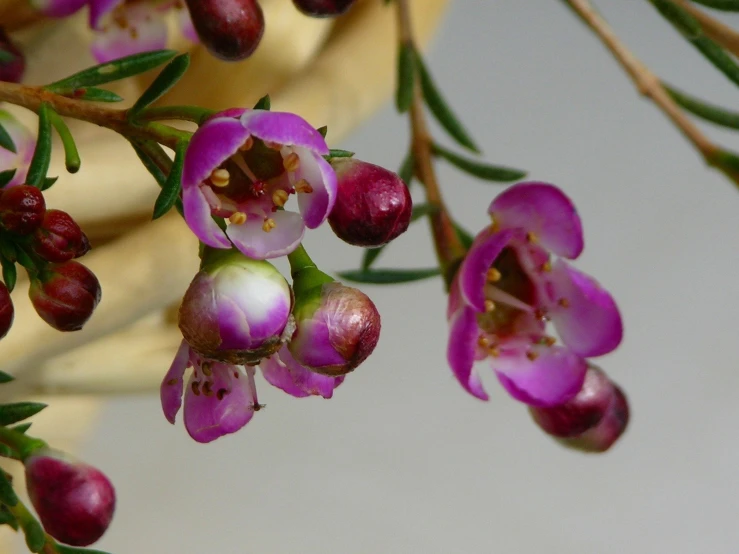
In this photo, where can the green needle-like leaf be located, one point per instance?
(6, 518)
(725, 5)
(168, 78)
(5, 378)
(6, 176)
(92, 94)
(264, 103)
(421, 210)
(323, 131)
(6, 141)
(337, 153)
(18, 411)
(71, 155)
(42, 155)
(149, 152)
(48, 182)
(113, 71)
(389, 276)
(407, 168)
(441, 110)
(479, 169)
(22, 428)
(709, 112)
(406, 77)
(10, 275)
(35, 536)
(7, 494)
(465, 238)
(170, 192)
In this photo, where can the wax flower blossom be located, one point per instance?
(509, 287)
(243, 165)
(24, 142)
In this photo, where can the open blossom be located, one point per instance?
(24, 142)
(509, 287)
(221, 398)
(243, 165)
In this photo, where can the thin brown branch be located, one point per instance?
(449, 249)
(713, 28)
(648, 84)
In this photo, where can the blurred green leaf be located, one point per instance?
(6, 141)
(465, 238)
(149, 152)
(166, 79)
(421, 210)
(6, 176)
(170, 192)
(725, 5)
(92, 94)
(709, 112)
(18, 411)
(42, 155)
(7, 493)
(389, 276)
(5, 378)
(10, 275)
(407, 168)
(265, 103)
(22, 428)
(479, 169)
(35, 536)
(323, 131)
(6, 518)
(71, 155)
(406, 77)
(337, 153)
(6, 57)
(441, 110)
(48, 183)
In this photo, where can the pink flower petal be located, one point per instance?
(317, 205)
(255, 242)
(282, 371)
(553, 377)
(186, 27)
(461, 351)
(143, 33)
(485, 249)
(100, 9)
(58, 8)
(170, 391)
(585, 315)
(225, 410)
(284, 128)
(545, 211)
(198, 217)
(212, 144)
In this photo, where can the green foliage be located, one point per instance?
(6, 176)
(18, 411)
(264, 103)
(171, 188)
(389, 276)
(709, 112)
(168, 78)
(42, 155)
(406, 77)
(71, 155)
(6, 141)
(481, 170)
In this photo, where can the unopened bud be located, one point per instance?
(12, 69)
(22, 209)
(6, 310)
(65, 295)
(323, 8)
(229, 29)
(236, 309)
(373, 205)
(601, 437)
(74, 501)
(337, 329)
(59, 238)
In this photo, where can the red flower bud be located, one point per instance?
(22, 209)
(323, 8)
(229, 29)
(75, 502)
(373, 205)
(65, 296)
(59, 238)
(6, 310)
(11, 71)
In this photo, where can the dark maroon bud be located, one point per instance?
(229, 29)
(22, 209)
(11, 70)
(581, 413)
(323, 8)
(6, 310)
(74, 501)
(59, 238)
(373, 205)
(65, 295)
(601, 437)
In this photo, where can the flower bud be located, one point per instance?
(74, 501)
(373, 205)
(323, 8)
(59, 238)
(601, 437)
(337, 329)
(12, 70)
(6, 310)
(236, 309)
(22, 209)
(65, 295)
(229, 29)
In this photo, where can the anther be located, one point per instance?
(548, 341)
(208, 388)
(483, 342)
(532, 237)
(248, 143)
(273, 145)
(268, 225)
(303, 186)
(196, 388)
(494, 352)
(291, 162)
(279, 197)
(220, 177)
(221, 393)
(489, 306)
(237, 218)
(546, 267)
(493, 275)
(172, 382)
(564, 302)
(205, 366)
(531, 355)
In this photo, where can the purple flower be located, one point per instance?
(123, 28)
(243, 165)
(25, 144)
(58, 8)
(508, 288)
(221, 398)
(236, 310)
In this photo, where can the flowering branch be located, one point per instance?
(713, 28)
(449, 249)
(649, 85)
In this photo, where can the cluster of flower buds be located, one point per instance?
(506, 291)
(74, 501)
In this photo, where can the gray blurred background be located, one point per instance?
(402, 460)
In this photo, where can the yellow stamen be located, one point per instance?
(546, 267)
(196, 388)
(549, 341)
(564, 302)
(483, 342)
(493, 275)
(303, 186)
(220, 177)
(291, 162)
(273, 145)
(489, 306)
(268, 225)
(206, 369)
(494, 352)
(279, 197)
(248, 143)
(531, 355)
(237, 218)
(532, 237)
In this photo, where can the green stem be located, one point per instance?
(183, 113)
(300, 260)
(24, 445)
(305, 272)
(71, 155)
